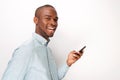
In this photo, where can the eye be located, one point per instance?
(56, 19)
(47, 18)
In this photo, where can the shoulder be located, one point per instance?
(25, 49)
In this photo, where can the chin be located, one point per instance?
(51, 35)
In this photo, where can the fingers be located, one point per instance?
(76, 55)
(73, 57)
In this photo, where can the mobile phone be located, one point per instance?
(81, 50)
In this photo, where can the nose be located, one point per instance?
(54, 23)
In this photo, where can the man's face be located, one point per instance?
(47, 22)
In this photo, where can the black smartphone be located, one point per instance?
(81, 50)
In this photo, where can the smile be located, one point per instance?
(51, 28)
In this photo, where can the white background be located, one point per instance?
(94, 23)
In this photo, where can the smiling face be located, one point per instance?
(46, 22)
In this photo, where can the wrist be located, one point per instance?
(68, 63)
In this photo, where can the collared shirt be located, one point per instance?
(34, 61)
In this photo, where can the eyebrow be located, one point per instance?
(50, 16)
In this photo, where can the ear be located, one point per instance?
(35, 20)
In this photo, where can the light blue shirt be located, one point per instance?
(34, 61)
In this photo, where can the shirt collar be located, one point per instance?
(40, 39)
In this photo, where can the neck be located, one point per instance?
(42, 36)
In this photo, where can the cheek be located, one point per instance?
(43, 28)
(42, 24)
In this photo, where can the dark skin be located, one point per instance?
(46, 22)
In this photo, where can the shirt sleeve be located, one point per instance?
(17, 66)
(62, 71)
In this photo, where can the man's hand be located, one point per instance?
(73, 57)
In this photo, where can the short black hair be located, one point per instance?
(39, 8)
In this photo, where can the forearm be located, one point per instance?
(62, 71)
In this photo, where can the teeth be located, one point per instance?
(51, 28)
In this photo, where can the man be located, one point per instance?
(33, 60)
